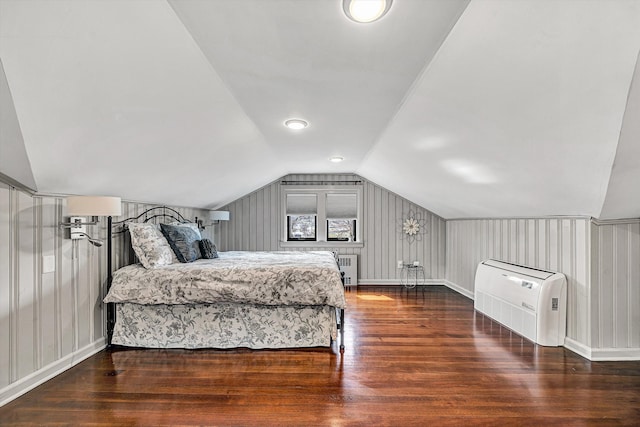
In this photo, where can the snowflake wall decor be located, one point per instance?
(413, 226)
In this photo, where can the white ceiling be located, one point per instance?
(486, 108)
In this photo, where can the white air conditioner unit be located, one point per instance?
(348, 264)
(530, 302)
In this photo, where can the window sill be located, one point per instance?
(312, 244)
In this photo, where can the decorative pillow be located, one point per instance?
(208, 249)
(150, 246)
(191, 225)
(183, 240)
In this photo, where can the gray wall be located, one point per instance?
(615, 287)
(49, 321)
(256, 224)
(601, 262)
(557, 244)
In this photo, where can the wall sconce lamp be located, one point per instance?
(94, 207)
(78, 207)
(217, 216)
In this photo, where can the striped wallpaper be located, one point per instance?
(50, 321)
(615, 287)
(257, 224)
(601, 262)
(556, 244)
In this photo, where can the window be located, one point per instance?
(342, 212)
(341, 230)
(302, 217)
(301, 227)
(322, 214)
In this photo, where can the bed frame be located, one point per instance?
(166, 214)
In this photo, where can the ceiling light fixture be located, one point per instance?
(296, 124)
(365, 11)
(336, 159)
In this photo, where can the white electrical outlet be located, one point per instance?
(400, 263)
(48, 264)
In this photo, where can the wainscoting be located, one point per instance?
(51, 289)
(601, 262)
(257, 224)
(615, 290)
(51, 314)
(49, 319)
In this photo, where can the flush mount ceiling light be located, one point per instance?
(296, 124)
(336, 159)
(365, 11)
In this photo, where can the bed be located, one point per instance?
(236, 299)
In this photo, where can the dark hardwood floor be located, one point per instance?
(413, 357)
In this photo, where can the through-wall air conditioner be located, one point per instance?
(530, 302)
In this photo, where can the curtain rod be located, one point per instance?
(356, 182)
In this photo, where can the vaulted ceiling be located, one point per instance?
(481, 108)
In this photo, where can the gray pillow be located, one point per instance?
(208, 249)
(183, 240)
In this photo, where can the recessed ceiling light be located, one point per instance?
(336, 159)
(365, 11)
(296, 124)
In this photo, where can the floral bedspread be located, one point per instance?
(264, 278)
(224, 325)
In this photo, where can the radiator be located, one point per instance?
(349, 266)
(530, 302)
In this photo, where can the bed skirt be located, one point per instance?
(224, 325)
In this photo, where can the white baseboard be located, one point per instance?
(395, 282)
(429, 282)
(593, 354)
(459, 289)
(602, 354)
(577, 347)
(33, 380)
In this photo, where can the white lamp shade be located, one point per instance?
(94, 206)
(219, 215)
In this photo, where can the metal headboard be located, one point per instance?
(164, 212)
(153, 213)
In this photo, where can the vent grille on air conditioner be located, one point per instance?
(343, 261)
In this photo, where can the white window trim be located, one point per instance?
(321, 222)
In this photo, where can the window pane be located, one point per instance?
(341, 229)
(301, 227)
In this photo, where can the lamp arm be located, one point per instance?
(94, 221)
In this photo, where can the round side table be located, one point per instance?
(412, 275)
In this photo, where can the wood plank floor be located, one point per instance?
(413, 357)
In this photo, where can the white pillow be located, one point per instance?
(150, 245)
